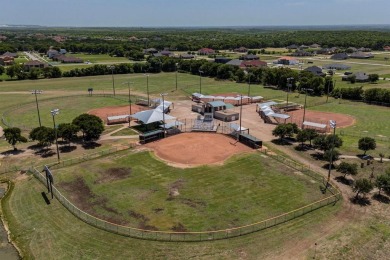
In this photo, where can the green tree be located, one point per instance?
(334, 153)
(2, 69)
(285, 130)
(90, 125)
(348, 168)
(367, 143)
(44, 135)
(382, 182)
(325, 142)
(373, 78)
(302, 137)
(363, 186)
(13, 136)
(68, 132)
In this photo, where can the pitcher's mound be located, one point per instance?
(193, 149)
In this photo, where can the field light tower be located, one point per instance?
(163, 102)
(147, 87)
(55, 112)
(35, 92)
(200, 81)
(332, 124)
(128, 86)
(112, 67)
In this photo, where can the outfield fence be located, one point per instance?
(361, 134)
(334, 196)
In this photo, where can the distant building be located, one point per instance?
(301, 53)
(315, 70)
(361, 55)
(34, 64)
(51, 53)
(186, 56)
(166, 53)
(339, 56)
(221, 59)
(150, 51)
(63, 51)
(206, 51)
(250, 57)
(241, 49)
(287, 60)
(359, 77)
(292, 47)
(6, 60)
(336, 66)
(386, 48)
(10, 54)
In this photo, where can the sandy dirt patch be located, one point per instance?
(103, 112)
(342, 120)
(193, 149)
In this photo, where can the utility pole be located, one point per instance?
(200, 81)
(55, 112)
(128, 86)
(112, 67)
(332, 124)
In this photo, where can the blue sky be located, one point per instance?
(128, 13)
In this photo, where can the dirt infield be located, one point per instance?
(103, 112)
(193, 149)
(342, 120)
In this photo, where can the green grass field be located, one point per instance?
(99, 58)
(36, 227)
(140, 191)
(126, 131)
(70, 107)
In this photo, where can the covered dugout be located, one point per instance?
(250, 141)
(151, 136)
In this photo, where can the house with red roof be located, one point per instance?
(386, 48)
(206, 51)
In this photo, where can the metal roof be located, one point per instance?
(171, 124)
(151, 116)
(314, 124)
(216, 103)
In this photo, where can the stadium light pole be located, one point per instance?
(289, 85)
(333, 125)
(163, 101)
(112, 67)
(128, 85)
(55, 112)
(304, 106)
(249, 84)
(238, 136)
(200, 81)
(35, 91)
(147, 87)
(176, 66)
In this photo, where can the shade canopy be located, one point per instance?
(151, 116)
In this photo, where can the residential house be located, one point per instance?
(336, 66)
(51, 53)
(6, 60)
(166, 53)
(292, 47)
(339, 56)
(10, 54)
(241, 49)
(301, 53)
(186, 56)
(243, 64)
(315, 70)
(386, 48)
(206, 51)
(221, 59)
(34, 64)
(150, 51)
(302, 47)
(250, 57)
(364, 49)
(315, 46)
(361, 55)
(63, 51)
(287, 60)
(3, 38)
(359, 77)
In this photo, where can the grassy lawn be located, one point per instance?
(36, 226)
(370, 121)
(126, 131)
(97, 58)
(249, 188)
(110, 128)
(70, 107)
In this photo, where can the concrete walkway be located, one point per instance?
(356, 157)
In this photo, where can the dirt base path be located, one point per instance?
(193, 149)
(342, 120)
